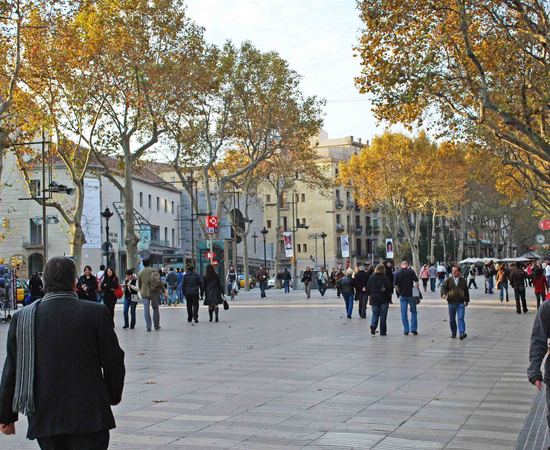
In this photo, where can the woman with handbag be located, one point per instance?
(379, 291)
(131, 298)
(213, 291)
(109, 286)
(87, 286)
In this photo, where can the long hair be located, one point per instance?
(35, 276)
(112, 270)
(210, 272)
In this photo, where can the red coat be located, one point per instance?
(541, 284)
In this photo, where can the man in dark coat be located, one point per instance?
(192, 287)
(455, 291)
(361, 279)
(76, 367)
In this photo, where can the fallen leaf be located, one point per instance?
(198, 363)
(159, 401)
(150, 382)
(139, 353)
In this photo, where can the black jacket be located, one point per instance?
(213, 290)
(347, 284)
(374, 289)
(307, 277)
(108, 287)
(91, 283)
(192, 284)
(79, 369)
(361, 280)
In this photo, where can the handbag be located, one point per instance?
(118, 292)
(225, 304)
(417, 296)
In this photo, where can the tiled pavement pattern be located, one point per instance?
(287, 372)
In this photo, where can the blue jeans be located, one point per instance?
(380, 312)
(348, 298)
(263, 285)
(286, 283)
(540, 299)
(441, 281)
(99, 296)
(179, 292)
(154, 303)
(171, 296)
(459, 310)
(432, 284)
(322, 289)
(503, 286)
(408, 302)
(490, 285)
(129, 305)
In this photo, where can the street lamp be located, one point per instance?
(323, 236)
(107, 214)
(264, 232)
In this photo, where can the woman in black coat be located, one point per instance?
(36, 286)
(87, 285)
(212, 291)
(108, 286)
(379, 290)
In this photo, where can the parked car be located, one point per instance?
(271, 283)
(251, 282)
(22, 290)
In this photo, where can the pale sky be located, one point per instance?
(315, 37)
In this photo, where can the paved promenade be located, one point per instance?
(286, 372)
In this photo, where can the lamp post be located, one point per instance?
(323, 236)
(264, 232)
(107, 214)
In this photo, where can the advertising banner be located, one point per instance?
(289, 248)
(91, 214)
(389, 248)
(344, 242)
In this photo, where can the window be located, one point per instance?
(149, 201)
(303, 198)
(141, 199)
(285, 224)
(269, 224)
(305, 248)
(304, 221)
(173, 237)
(297, 223)
(155, 235)
(299, 248)
(337, 218)
(336, 172)
(166, 235)
(172, 207)
(35, 188)
(338, 194)
(268, 198)
(358, 245)
(158, 204)
(357, 221)
(36, 232)
(296, 198)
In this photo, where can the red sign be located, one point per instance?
(544, 224)
(211, 224)
(214, 263)
(211, 255)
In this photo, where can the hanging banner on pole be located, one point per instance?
(289, 248)
(344, 243)
(389, 248)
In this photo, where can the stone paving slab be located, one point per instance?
(287, 372)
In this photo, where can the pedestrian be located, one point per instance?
(547, 272)
(279, 279)
(172, 283)
(472, 277)
(441, 270)
(99, 277)
(541, 285)
(457, 294)
(192, 289)
(339, 275)
(403, 282)
(361, 280)
(489, 273)
(502, 281)
(425, 276)
(213, 291)
(332, 278)
(150, 286)
(87, 286)
(286, 281)
(433, 276)
(346, 285)
(131, 299)
(36, 287)
(322, 281)
(163, 294)
(109, 286)
(231, 281)
(379, 291)
(261, 278)
(179, 292)
(307, 278)
(517, 280)
(64, 367)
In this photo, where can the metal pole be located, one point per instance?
(324, 256)
(265, 253)
(192, 224)
(316, 250)
(107, 240)
(44, 218)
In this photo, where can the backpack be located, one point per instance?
(155, 282)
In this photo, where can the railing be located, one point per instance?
(35, 241)
(376, 230)
(358, 229)
(339, 228)
(161, 243)
(338, 204)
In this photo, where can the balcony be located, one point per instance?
(376, 230)
(33, 242)
(161, 243)
(358, 229)
(338, 204)
(339, 228)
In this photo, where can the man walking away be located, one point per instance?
(361, 280)
(286, 281)
(261, 279)
(517, 280)
(64, 367)
(403, 282)
(457, 294)
(150, 286)
(171, 282)
(99, 277)
(472, 277)
(307, 279)
(441, 270)
(192, 287)
(322, 281)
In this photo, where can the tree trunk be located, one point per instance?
(462, 231)
(432, 238)
(130, 240)
(245, 261)
(416, 239)
(2, 140)
(443, 241)
(79, 238)
(277, 234)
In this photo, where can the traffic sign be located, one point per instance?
(210, 255)
(214, 263)
(544, 224)
(211, 224)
